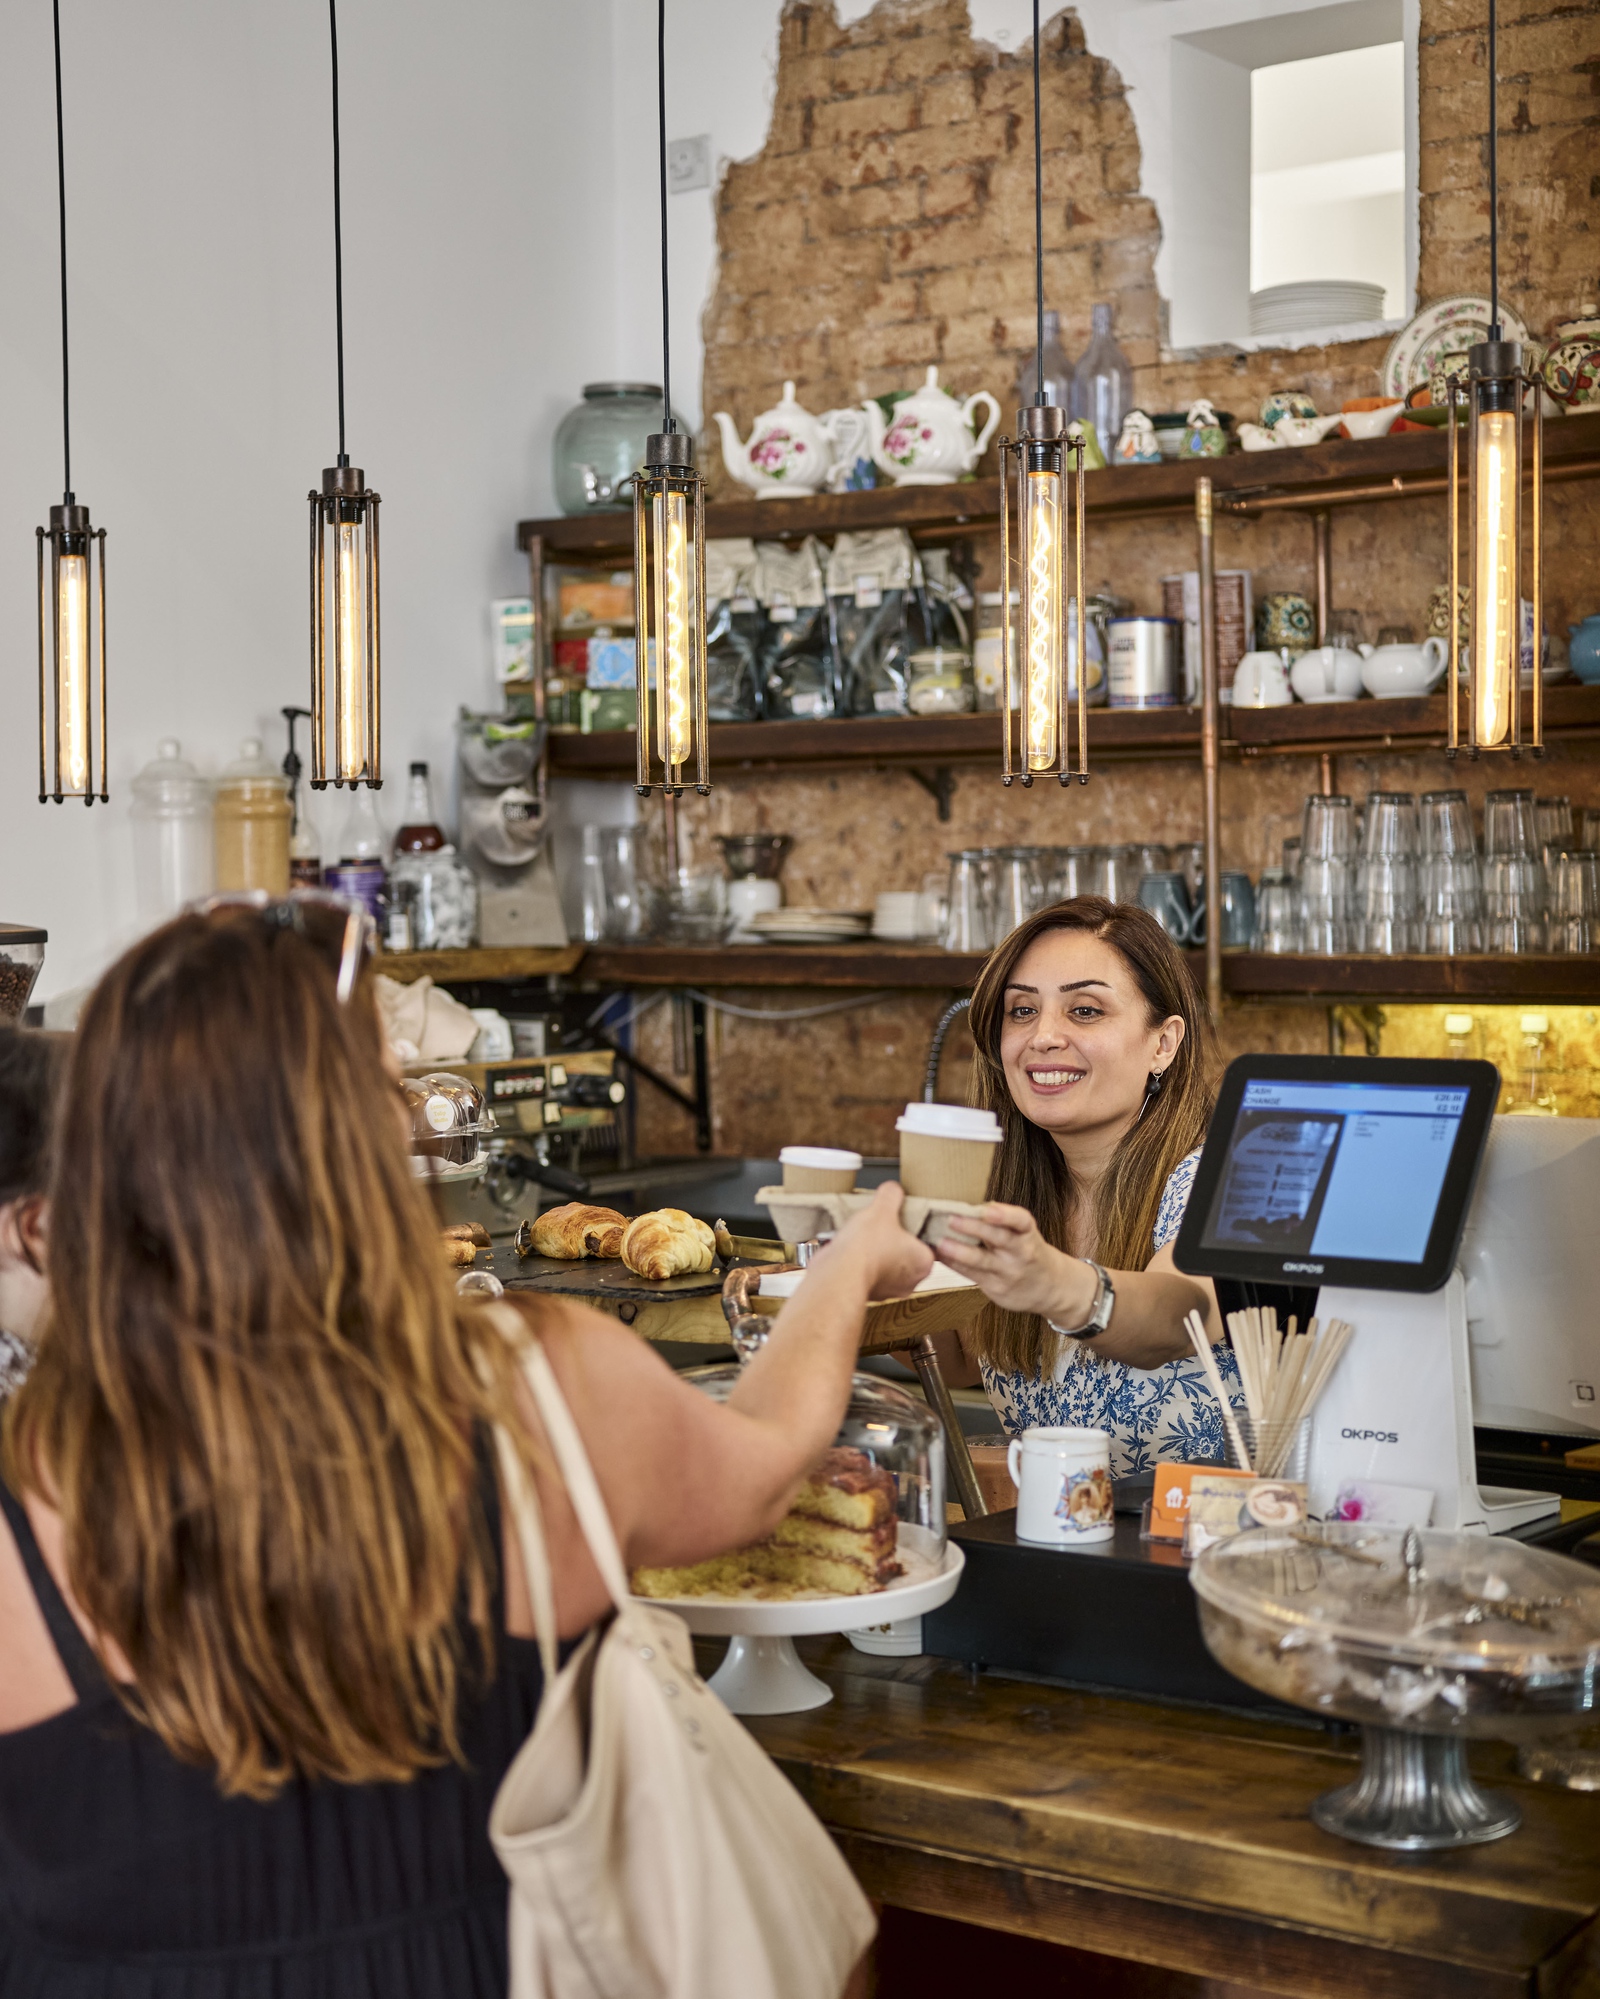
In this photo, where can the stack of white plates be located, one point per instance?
(1314, 302)
(810, 926)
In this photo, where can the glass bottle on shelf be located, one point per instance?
(1533, 1093)
(360, 844)
(419, 833)
(1461, 1036)
(1057, 369)
(1102, 382)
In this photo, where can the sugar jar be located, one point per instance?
(174, 861)
(253, 818)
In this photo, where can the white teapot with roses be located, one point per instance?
(929, 440)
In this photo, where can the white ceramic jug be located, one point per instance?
(1394, 671)
(929, 441)
(1261, 680)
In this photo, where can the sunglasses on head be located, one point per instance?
(336, 925)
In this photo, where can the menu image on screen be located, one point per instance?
(1335, 1169)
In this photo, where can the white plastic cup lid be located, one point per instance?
(951, 1121)
(822, 1157)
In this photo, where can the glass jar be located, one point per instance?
(988, 665)
(600, 444)
(174, 855)
(441, 894)
(941, 682)
(21, 955)
(252, 818)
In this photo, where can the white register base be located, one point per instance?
(1399, 1409)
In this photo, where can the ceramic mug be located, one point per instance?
(1327, 673)
(1285, 621)
(1166, 897)
(1063, 1481)
(1585, 655)
(1261, 680)
(1238, 912)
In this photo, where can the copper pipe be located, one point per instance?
(1392, 489)
(1322, 535)
(1537, 557)
(1327, 773)
(1210, 720)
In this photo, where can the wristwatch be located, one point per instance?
(1105, 1297)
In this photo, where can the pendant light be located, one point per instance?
(72, 592)
(669, 568)
(1494, 400)
(1044, 465)
(344, 572)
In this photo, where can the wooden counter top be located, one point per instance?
(1178, 1838)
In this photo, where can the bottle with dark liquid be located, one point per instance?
(420, 833)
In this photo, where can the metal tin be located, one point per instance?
(1142, 670)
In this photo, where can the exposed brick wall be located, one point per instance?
(887, 223)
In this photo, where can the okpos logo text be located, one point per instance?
(1370, 1436)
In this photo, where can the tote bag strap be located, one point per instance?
(522, 1502)
(576, 1473)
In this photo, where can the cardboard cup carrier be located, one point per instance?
(947, 1150)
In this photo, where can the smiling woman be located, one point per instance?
(1094, 1051)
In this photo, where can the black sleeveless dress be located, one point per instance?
(125, 1874)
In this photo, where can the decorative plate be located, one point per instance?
(1449, 326)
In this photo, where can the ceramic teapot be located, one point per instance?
(1327, 673)
(1393, 671)
(929, 439)
(1261, 680)
(789, 451)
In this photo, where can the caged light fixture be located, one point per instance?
(72, 592)
(669, 571)
(1044, 466)
(1492, 408)
(344, 572)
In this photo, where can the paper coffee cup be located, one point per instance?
(947, 1150)
(818, 1169)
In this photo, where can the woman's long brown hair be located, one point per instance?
(1029, 1171)
(256, 1390)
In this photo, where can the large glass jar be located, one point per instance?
(174, 858)
(600, 444)
(253, 818)
(441, 893)
(21, 955)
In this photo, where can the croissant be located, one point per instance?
(667, 1243)
(577, 1230)
(458, 1252)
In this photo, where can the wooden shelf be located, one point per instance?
(1338, 471)
(1122, 733)
(872, 966)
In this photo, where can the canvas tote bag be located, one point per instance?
(654, 1851)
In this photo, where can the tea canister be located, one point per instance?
(1142, 671)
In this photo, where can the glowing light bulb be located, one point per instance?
(1042, 618)
(1494, 568)
(675, 622)
(350, 660)
(72, 672)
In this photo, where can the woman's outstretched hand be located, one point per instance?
(1003, 1253)
(892, 1261)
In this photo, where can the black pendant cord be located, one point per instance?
(61, 191)
(1038, 211)
(338, 225)
(667, 423)
(1494, 189)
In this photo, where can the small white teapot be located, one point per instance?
(929, 441)
(1391, 672)
(1261, 680)
(789, 451)
(1328, 673)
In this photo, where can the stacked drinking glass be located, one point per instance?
(1387, 917)
(1514, 888)
(1452, 876)
(1327, 876)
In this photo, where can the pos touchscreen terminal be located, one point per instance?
(1355, 1176)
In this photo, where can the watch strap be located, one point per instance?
(1105, 1297)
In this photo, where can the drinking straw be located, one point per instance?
(1208, 1361)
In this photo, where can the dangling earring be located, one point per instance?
(1152, 1090)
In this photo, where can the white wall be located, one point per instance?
(478, 294)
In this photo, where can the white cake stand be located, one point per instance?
(763, 1673)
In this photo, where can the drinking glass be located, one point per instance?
(1552, 824)
(1277, 930)
(1072, 872)
(1291, 856)
(590, 894)
(1154, 859)
(1452, 904)
(1326, 889)
(1190, 857)
(1575, 907)
(1329, 830)
(931, 908)
(1119, 872)
(966, 924)
(1445, 824)
(1589, 829)
(1391, 823)
(1386, 912)
(1018, 888)
(1508, 826)
(625, 913)
(1162, 892)
(1513, 903)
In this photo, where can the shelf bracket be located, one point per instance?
(941, 788)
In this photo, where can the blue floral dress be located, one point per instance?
(1155, 1415)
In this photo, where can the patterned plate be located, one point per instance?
(1449, 326)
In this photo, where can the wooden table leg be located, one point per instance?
(925, 1359)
